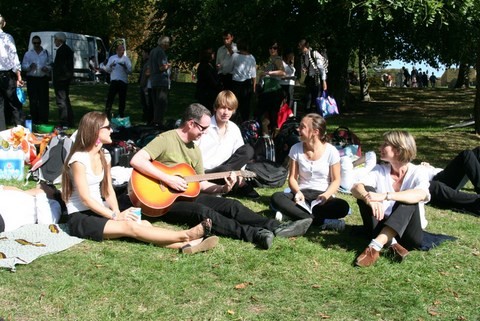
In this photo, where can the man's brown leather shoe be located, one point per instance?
(368, 257)
(398, 251)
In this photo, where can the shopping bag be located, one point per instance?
(22, 97)
(326, 105)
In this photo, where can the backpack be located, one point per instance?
(346, 142)
(250, 130)
(268, 174)
(285, 139)
(264, 149)
(49, 168)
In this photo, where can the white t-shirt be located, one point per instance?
(244, 67)
(415, 178)
(117, 72)
(217, 149)
(289, 72)
(75, 203)
(225, 59)
(314, 174)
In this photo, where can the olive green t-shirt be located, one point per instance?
(169, 149)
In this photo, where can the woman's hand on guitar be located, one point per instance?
(177, 183)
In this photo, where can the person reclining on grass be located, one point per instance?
(445, 184)
(230, 217)
(33, 206)
(86, 179)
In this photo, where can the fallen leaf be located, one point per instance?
(230, 312)
(316, 286)
(432, 312)
(324, 316)
(436, 302)
(242, 285)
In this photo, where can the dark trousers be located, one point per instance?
(269, 104)
(444, 187)
(147, 104)
(9, 104)
(288, 91)
(230, 218)
(312, 91)
(240, 158)
(160, 103)
(37, 89)
(243, 90)
(404, 220)
(120, 88)
(226, 80)
(62, 95)
(334, 208)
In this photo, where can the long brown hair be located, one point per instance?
(87, 136)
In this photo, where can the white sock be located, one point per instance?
(376, 246)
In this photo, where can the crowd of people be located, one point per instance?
(390, 195)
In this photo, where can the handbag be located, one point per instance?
(326, 105)
(271, 84)
(22, 98)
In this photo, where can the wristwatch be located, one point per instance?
(114, 216)
(389, 196)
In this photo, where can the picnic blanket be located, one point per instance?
(30, 242)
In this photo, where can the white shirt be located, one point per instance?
(117, 72)
(318, 60)
(75, 203)
(41, 59)
(216, 149)
(314, 174)
(289, 72)
(415, 178)
(225, 59)
(244, 67)
(8, 53)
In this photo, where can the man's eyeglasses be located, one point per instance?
(200, 127)
(36, 43)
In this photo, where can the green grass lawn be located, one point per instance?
(305, 278)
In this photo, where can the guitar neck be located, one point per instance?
(210, 176)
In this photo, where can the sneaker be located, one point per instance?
(368, 257)
(263, 238)
(295, 228)
(333, 225)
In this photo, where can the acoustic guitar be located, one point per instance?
(155, 198)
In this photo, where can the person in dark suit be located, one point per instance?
(62, 75)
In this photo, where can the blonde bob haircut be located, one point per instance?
(403, 142)
(226, 98)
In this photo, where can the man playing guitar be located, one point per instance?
(230, 218)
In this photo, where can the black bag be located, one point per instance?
(268, 174)
(264, 149)
(285, 139)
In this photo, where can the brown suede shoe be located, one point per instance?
(398, 252)
(368, 257)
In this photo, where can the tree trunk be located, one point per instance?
(463, 80)
(476, 108)
(364, 85)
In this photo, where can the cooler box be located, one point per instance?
(12, 163)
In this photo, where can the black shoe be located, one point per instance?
(247, 191)
(263, 238)
(295, 228)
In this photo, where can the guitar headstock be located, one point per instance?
(247, 174)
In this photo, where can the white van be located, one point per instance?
(84, 47)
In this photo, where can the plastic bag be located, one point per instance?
(22, 97)
(326, 105)
(120, 122)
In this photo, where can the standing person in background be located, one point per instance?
(10, 78)
(313, 65)
(37, 64)
(288, 82)
(406, 77)
(160, 79)
(244, 76)
(224, 60)
(271, 97)
(145, 88)
(119, 66)
(208, 82)
(433, 80)
(62, 76)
